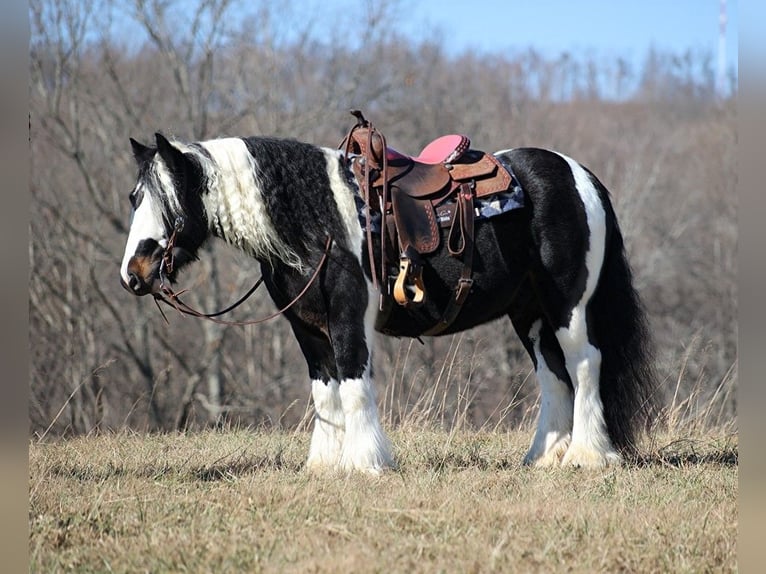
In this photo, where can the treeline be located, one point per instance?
(658, 137)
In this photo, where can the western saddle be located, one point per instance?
(414, 197)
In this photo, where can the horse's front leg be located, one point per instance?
(365, 445)
(329, 426)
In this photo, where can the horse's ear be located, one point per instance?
(171, 155)
(140, 152)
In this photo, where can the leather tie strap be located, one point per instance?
(463, 221)
(364, 139)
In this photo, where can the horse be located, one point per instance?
(555, 266)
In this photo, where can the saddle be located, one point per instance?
(415, 196)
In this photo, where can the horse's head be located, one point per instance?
(167, 225)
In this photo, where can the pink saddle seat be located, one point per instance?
(444, 149)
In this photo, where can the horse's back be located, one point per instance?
(512, 250)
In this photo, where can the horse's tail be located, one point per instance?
(628, 381)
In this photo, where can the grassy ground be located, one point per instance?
(240, 501)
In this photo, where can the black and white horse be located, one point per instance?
(555, 267)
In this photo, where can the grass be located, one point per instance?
(241, 501)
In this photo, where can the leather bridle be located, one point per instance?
(172, 298)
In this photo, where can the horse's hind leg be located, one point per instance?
(591, 445)
(554, 422)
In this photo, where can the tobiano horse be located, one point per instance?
(555, 265)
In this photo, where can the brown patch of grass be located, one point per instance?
(239, 501)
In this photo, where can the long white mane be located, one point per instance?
(233, 200)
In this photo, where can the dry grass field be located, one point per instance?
(241, 501)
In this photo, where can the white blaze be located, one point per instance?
(145, 225)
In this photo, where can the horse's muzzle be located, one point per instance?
(141, 276)
(136, 285)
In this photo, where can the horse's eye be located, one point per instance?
(135, 198)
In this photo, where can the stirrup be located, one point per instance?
(409, 288)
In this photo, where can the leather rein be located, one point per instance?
(172, 298)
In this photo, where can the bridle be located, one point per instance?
(170, 297)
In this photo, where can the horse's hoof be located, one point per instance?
(551, 457)
(582, 456)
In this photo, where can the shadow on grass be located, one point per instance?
(678, 454)
(225, 471)
(245, 465)
(231, 471)
(685, 453)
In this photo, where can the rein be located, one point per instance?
(173, 299)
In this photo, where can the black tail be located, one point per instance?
(628, 381)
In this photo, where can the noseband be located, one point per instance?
(170, 297)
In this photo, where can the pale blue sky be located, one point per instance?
(601, 30)
(599, 27)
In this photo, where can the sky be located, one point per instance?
(610, 28)
(598, 30)
(616, 28)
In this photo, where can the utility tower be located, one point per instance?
(720, 77)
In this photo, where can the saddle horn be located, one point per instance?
(361, 121)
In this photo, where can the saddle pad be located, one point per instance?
(488, 207)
